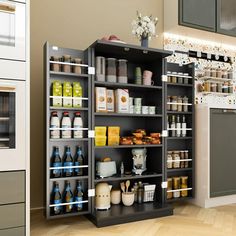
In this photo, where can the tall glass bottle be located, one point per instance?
(67, 162)
(56, 199)
(68, 197)
(178, 126)
(56, 162)
(78, 197)
(173, 126)
(78, 161)
(184, 126)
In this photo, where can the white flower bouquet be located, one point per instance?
(144, 26)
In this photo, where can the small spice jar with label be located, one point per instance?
(55, 66)
(66, 67)
(179, 105)
(176, 186)
(176, 159)
(168, 101)
(169, 160)
(174, 78)
(174, 105)
(185, 104)
(184, 185)
(169, 187)
(182, 157)
(180, 78)
(186, 156)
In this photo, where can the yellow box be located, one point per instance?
(113, 131)
(100, 130)
(100, 140)
(113, 140)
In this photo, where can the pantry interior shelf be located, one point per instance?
(128, 85)
(69, 108)
(69, 139)
(179, 76)
(216, 93)
(208, 78)
(68, 167)
(179, 169)
(177, 84)
(178, 199)
(127, 114)
(69, 178)
(74, 98)
(53, 73)
(126, 177)
(130, 146)
(68, 63)
(180, 112)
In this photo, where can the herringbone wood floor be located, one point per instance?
(188, 220)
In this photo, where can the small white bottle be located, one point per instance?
(78, 124)
(54, 124)
(184, 126)
(66, 125)
(178, 127)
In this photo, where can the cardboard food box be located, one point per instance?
(113, 131)
(57, 91)
(110, 100)
(122, 100)
(101, 99)
(67, 94)
(77, 93)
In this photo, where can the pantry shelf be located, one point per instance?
(69, 108)
(69, 178)
(127, 115)
(180, 112)
(180, 85)
(69, 140)
(130, 146)
(179, 76)
(128, 85)
(53, 73)
(217, 79)
(179, 169)
(120, 178)
(216, 93)
(69, 214)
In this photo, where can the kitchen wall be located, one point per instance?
(73, 24)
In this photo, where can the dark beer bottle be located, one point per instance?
(78, 197)
(56, 199)
(67, 162)
(56, 162)
(68, 197)
(78, 161)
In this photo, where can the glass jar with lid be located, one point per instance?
(213, 72)
(219, 73)
(55, 66)
(182, 157)
(77, 67)
(67, 66)
(213, 87)
(174, 103)
(174, 78)
(184, 185)
(168, 103)
(219, 87)
(185, 104)
(225, 87)
(207, 72)
(122, 71)
(186, 79)
(169, 160)
(176, 159)
(186, 157)
(169, 187)
(180, 78)
(230, 74)
(168, 76)
(180, 104)
(176, 186)
(231, 89)
(111, 70)
(224, 74)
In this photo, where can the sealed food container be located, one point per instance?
(180, 105)
(66, 67)
(131, 101)
(184, 185)
(113, 131)
(151, 110)
(76, 68)
(186, 156)
(180, 78)
(100, 140)
(182, 157)
(213, 72)
(168, 101)
(219, 73)
(174, 106)
(122, 71)
(169, 158)
(100, 68)
(207, 72)
(186, 79)
(137, 109)
(113, 140)
(174, 78)
(54, 66)
(169, 187)
(176, 159)
(100, 130)
(138, 101)
(185, 102)
(176, 186)
(111, 70)
(219, 87)
(168, 76)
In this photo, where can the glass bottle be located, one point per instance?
(183, 126)
(67, 162)
(185, 104)
(178, 126)
(56, 199)
(135, 192)
(78, 161)
(66, 125)
(68, 197)
(56, 162)
(140, 192)
(180, 104)
(174, 103)
(78, 197)
(54, 124)
(77, 125)
(122, 169)
(173, 126)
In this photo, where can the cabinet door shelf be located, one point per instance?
(55, 73)
(68, 167)
(177, 84)
(179, 160)
(69, 140)
(179, 169)
(179, 138)
(177, 190)
(179, 76)
(73, 98)
(69, 129)
(216, 93)
(68, 203)
(68, 63)
(70, 178)
(180, 112)
(179, 199)
(130, 146)
(69, 108)
(127, 114)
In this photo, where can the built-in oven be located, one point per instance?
(12, 30)
(12, 125)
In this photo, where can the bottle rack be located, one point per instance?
(84, 79)
(180, 143)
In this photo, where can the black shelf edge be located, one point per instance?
(179, 170)
(180, 112)
(68, 74)
(119, 214)
(69, 140)
(179, 199)
(180, 85)
(128, 85)
(127, 115)
(69, 108)
(68, 215)
(129, 146)
(179, 138)
(112, 179)
(69, 178)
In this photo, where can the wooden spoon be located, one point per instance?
(127, 184)
(122, 186)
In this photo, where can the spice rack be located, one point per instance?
(179, 145)
(80, 73)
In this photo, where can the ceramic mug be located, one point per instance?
(147, 78)
(145, 110)
(128, 198)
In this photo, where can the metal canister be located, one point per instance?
(169, 187)
(184, 185)
(176, 186)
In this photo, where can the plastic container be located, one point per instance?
(122, 71)
(65, 67)
(100, 68)
(77, 69)
(100, 130)
(111, 70)
(100, 140)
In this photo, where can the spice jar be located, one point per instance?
(230, 74)
(184, 185)
(174, 105)
(54, 66)
(207, 72)
(174, 78)
(186, 79)
(176, 186)
(186, 156)
(231, 89)
(225, 88)
(169, 160)
(180, 78)
(168, 103)
(185, 104)
(176, 159)
(213, 72)
(76, 68)
(111, 70)
(122, 71)
(169, 188)
(182, 157)
(224, 74)
(168, 76)
(219, 73)
(66, 67)
(207, 86)
(213, 87)
(219, 87)
(179, 105)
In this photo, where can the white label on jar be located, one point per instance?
(178, 131)
(176, 194)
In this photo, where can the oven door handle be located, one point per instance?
(11, 9)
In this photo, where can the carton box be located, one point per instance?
(57, 91)
(77, 93)
(110, 100)
(101, 99)
(122, 100)
(67, 94)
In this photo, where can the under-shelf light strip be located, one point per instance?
(177, 190)
(179, 103)
(75, 98)
(68, 128)
(179, 160)
(68, 167)
(68, 63)
(69, 203)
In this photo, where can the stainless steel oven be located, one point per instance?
(12, 30)
(12, 125)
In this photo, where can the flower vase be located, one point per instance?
(144, 42)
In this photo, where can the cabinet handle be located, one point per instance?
(7, 8)
(7, 88)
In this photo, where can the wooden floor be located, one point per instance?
(188, 220)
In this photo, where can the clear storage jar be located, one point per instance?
(111, 70)
(122, 71)
(66, 67)
(174, 105)
(54, 66)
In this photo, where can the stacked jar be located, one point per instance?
(175, 159)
